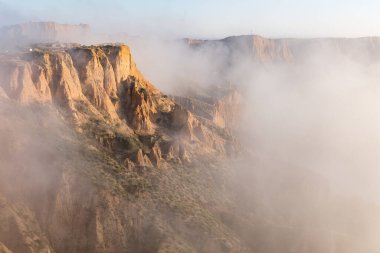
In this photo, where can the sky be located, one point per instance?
(205, 18)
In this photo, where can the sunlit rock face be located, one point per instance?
(103, 83)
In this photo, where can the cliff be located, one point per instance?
(101, 91)
(261, 50)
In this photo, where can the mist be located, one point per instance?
(322, 113)
(323, 118)
(308, 129)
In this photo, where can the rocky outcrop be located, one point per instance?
(100, 90)
(97, 78)
(41, 77)
(142, 159)
(140, 101)
(156, 155)
(85, 74)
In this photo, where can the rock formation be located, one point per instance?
(100, 86)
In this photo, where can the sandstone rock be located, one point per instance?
(156, 155)
(100, 90)
(142, 159)
(97, 78)
(140, 107)
(86, 74)
(16, 80)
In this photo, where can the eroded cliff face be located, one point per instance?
(100, 90)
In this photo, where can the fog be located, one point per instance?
(324, 118)
(321, 113)
(309, 129)
(26, 161)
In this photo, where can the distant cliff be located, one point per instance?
(266, 50)
(23, 35)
